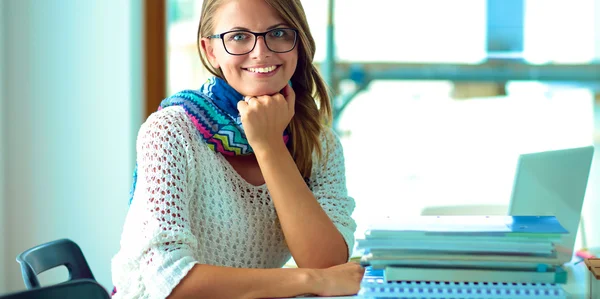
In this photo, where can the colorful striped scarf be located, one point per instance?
(213, 110)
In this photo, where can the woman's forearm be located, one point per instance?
(206, 281)
(307, 228)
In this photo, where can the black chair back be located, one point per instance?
(76, 289)
(53, 254)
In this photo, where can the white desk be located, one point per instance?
(577, 286)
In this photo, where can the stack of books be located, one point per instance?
(478, 249)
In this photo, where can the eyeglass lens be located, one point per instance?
(278, 40)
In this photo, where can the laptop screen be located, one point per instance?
(553, 183)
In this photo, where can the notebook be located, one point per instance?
(498, 246)
(420, 273)
(380, 259)
(379, 288)
(374, 286)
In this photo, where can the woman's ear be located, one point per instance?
(209, 51)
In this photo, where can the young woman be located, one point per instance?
(236, 177)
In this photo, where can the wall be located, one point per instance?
(2, 154)
(597, 28)
(72, 76)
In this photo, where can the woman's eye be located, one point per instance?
(238, 36)
(278, 33)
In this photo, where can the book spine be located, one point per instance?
(452, 264)
(472, 275)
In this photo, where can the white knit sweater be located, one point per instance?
(190, 206)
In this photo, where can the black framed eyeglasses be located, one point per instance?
(241, 42)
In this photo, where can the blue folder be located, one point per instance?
(466, 225)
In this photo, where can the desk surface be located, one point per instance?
(577, 286)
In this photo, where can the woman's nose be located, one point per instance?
(261, 49)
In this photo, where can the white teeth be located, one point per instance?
(262, 69)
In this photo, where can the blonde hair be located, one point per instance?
(309, 119)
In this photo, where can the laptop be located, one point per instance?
(553, 183)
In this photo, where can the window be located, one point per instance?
(431, 149)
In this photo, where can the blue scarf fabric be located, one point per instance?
(213, 110)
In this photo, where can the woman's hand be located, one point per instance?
(264, 118)
(339, 280)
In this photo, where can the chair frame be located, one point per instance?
(66, 253)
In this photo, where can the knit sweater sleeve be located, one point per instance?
(162, 202)
(328, 183)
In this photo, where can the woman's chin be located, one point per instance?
(256, 92)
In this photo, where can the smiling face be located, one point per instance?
(262, 71)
